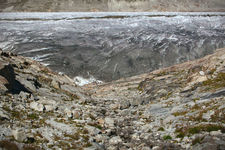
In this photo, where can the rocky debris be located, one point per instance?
(171, 105)
(170, 108)
(115, 140)
(36, 106)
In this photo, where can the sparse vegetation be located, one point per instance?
(33, 116)
(196, 99)
(183, 131)
(167, 137)
(197, 140)
(180, 113)
(168, 95)
(161, 129)
(215, 83)
(162, 73)
(75, 136)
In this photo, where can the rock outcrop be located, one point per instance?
(180, 107)
(111, 5)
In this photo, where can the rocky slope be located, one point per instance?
(111, 5)
(180, 107)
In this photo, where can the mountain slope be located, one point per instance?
(184, 102)
(180, 107)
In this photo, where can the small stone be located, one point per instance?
(109, 122)
(201, 73)
(49, 108)
(68, 113)
(55, 84)
(145, 136)
(115, 140)
(19, 135)
(97, 146)
(136, 102)
(207, 116)
(24, 95)
(92, 130)
(135, 136)
(145, 148)
(215, 133)
(100, 138)
(108, 132)
(36, 106)
(77, 114)
(169, 119)
(101, 121)
(3, 116)
(156, 148)
(146, 128)
(114, 106)
(125, 112)
(124, 104)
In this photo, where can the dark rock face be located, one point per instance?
(8, 77)
(6, 72)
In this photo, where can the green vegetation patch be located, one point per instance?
(219, 116)
(181, 132)
(33, 116)
(182, 113)
(215, 83)
(161, 129)
(167, 137)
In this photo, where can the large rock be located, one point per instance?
(7, 72)
(27, 84)
(3, 115)
(37, 106)
(3, 82)
(109, 122)
(7, 75)
(115, 140)
(19, 135)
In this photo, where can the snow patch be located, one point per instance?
(82, 81)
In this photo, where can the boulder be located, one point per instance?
(3, 82)
(27, 84)
(7, 75)
(92, 130)
(3, 115)
(36, 106)
(24, 95)
(115, 140)
(208, 114)
(68, 113)
(55, 84)
(124, 104)
(19, 135)
(109, 122)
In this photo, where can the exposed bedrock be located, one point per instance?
(111, 5)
